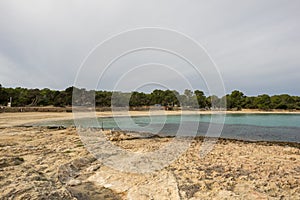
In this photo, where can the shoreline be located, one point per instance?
(52, 163)
(8, 119)
(69, 109)
(28, 119)
(43, 163)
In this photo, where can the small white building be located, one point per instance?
(9, 103)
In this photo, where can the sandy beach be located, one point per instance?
(42, 163)
(21, 118)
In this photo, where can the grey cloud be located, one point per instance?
(254, 43)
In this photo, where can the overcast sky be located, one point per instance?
(254, 43)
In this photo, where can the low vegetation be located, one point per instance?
(22, 97)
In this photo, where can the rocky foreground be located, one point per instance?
(42, 163)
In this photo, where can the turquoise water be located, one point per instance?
(266, 127)
(286, 120)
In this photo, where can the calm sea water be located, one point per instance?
(253, 127)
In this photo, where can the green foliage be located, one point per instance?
(201, 99)
(235, 100)
(249, 103)
(120, 99)
(213, 101)
(157, 97)
(197, 99)
(103, 98)
(139, 99)
(263, 102)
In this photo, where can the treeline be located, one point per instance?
(191, 99)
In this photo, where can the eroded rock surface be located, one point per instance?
(38, 163)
